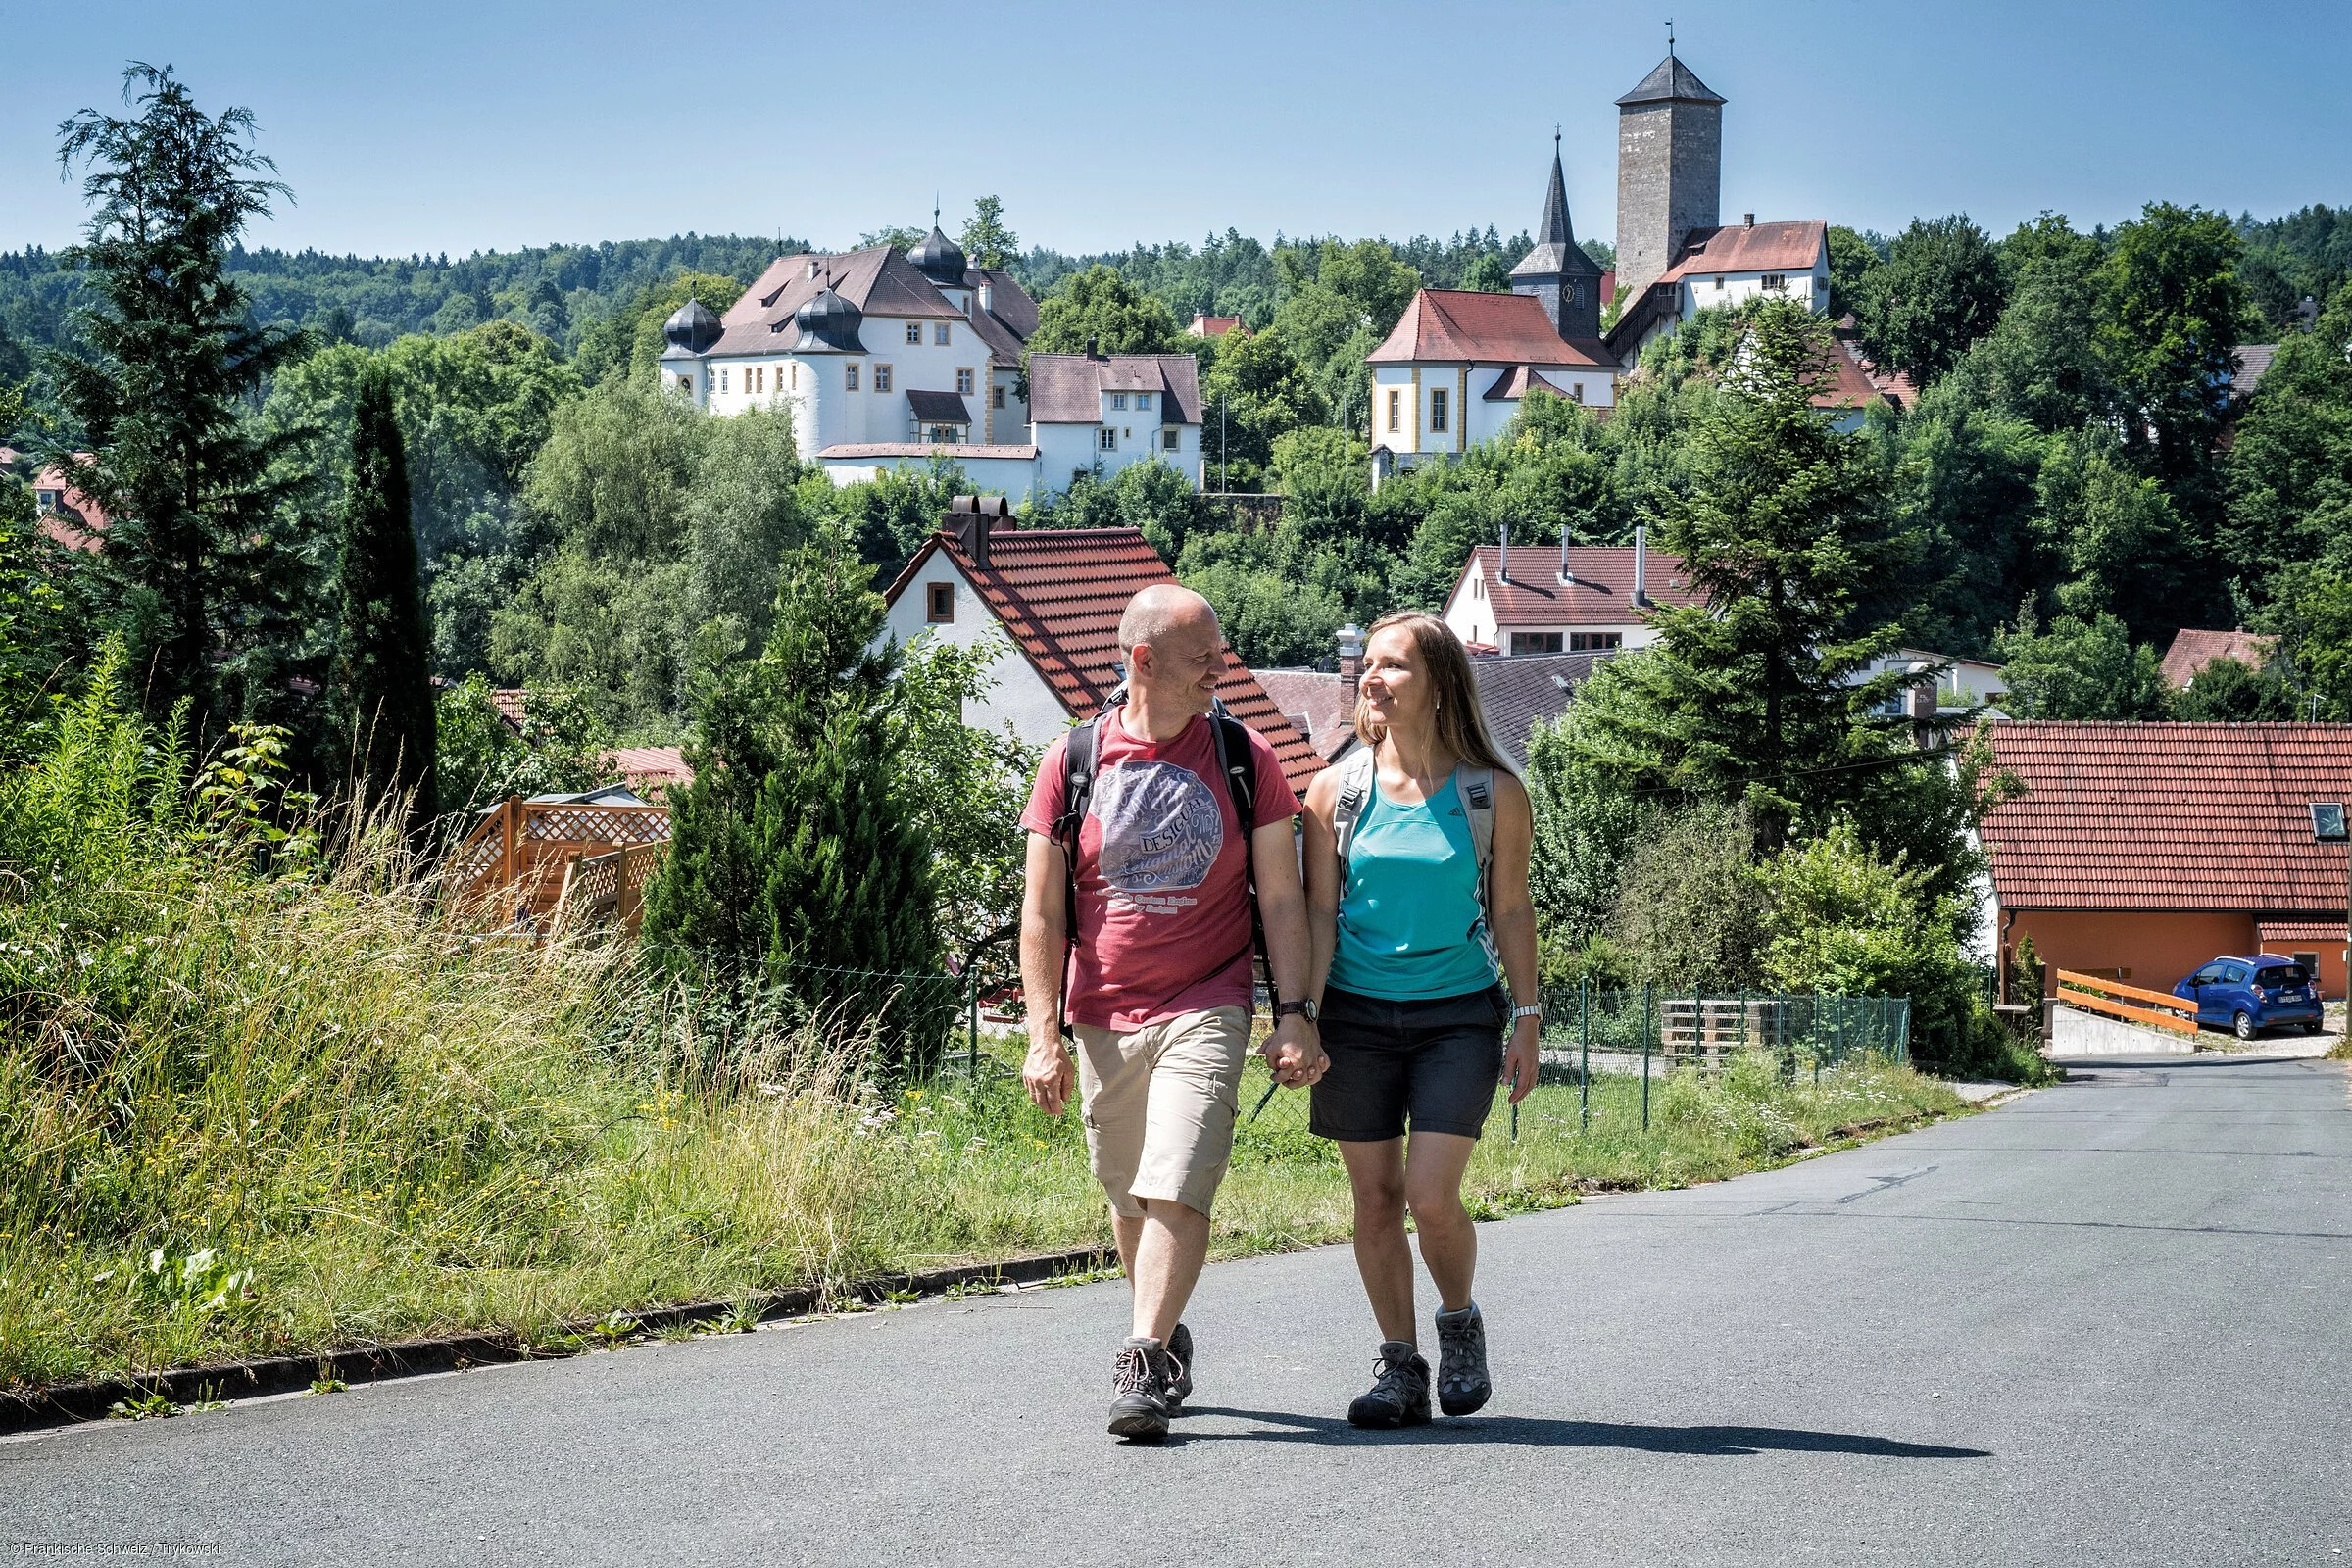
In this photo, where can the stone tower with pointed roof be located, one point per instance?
(1669, 171)
(1558, 273)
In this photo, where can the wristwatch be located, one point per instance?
(1305, 1008)
(1518, 1014)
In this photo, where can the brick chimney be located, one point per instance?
(1351, 664)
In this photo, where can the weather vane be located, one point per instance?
(1669, 37)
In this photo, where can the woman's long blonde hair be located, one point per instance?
(1461, 722)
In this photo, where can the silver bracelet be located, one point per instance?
(1518, 1014)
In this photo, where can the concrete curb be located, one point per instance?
(67, 1404)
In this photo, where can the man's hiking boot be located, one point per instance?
(1400, 1391)
(1142, 1375)
(1180, 1352)
(1462, 1382)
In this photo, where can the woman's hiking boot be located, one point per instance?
(1400, 1391)
(1180, 1352)
(1141, 1376)
(1462, 1382)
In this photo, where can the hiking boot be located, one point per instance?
(1141, 1375)
(1180, 1352)
(1462, 1382)
(1400, 1391)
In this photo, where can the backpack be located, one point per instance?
(1358, 773)
(1236, 764)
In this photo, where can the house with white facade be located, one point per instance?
(883, 359)
(1456, 368)
(1048, 602)
(1518, 600)
(1098, 412)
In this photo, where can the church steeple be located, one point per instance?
(1557, 271)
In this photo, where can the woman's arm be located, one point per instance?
(1511, 912)
(1321, 852)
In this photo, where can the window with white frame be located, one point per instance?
(940, 335)
(914, 331)
(848, 377)
(722, 380)
(964, 380)
(1142, 401)
(881, 377)
(1438, 410)
(1593, 642)
(1395, 410)
(1106, 439)
(1118, 400)
(1775, 282)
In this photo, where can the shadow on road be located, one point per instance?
(1534, 1432)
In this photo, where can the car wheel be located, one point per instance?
(2244, 1023)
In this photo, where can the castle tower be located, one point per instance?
(1669, 171)
(1557, 271)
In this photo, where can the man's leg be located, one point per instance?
(1128, 1231)
(1168, 1254)
(1433, 1191)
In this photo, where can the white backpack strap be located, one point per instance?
(1356, 773)
(1476, 787)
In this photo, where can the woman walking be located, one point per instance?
(1416, 857)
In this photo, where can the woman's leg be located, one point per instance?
(1433, 1192)
(1382, 1256)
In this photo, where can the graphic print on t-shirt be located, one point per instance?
(1162, 831)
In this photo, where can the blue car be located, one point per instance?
(2251, 994)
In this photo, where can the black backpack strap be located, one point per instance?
(1081, 756)
(1236, 764)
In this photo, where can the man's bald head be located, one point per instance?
(1159, 610)
(1174, 649)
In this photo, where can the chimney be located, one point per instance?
(1566, 576)
(1351, 664)
(1747, 219)
(1922, 697)
(1503, 555)
(970, 518)
(1640, 564)
(987, 296)
(1089, 348)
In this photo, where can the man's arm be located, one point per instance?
(1045, 931)
(1293, 1053)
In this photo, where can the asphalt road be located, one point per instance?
(2103, 1324)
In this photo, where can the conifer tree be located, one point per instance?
(383, 690)
(205, 581)
(792, 854)
(1752, 694)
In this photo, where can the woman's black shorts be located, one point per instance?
(1433, 1063)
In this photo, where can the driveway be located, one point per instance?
(2104, 1323)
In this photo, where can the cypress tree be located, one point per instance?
(792, 856)
(383, 692)
(206, 584)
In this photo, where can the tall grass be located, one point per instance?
(260, 1094)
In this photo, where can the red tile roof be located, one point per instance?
(653, 769)
(1315, 701)
(511, 702)
(2272, 932)
(72, 519)
(1060, 593)
(1216, 325)
(2193, 651)
(1454, 324)
(1894, 384)
(1512, 384)
(2169, 816)
(1601, 593)
(1786, 247)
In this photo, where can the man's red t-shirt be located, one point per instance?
(1163, 902)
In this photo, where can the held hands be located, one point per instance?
(1522, 1057)
(1048, 1074)
(1293, 1053)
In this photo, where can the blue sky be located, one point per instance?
(444, 126)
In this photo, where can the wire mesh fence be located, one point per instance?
(1614, 1049)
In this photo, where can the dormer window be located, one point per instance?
(813, 270)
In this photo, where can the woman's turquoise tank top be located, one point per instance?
(1409, 916)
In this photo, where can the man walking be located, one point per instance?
(1143, 827)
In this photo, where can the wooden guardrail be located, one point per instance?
(2134, 1003)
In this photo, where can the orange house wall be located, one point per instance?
(2158, 949)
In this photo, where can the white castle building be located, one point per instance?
(886, 360)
